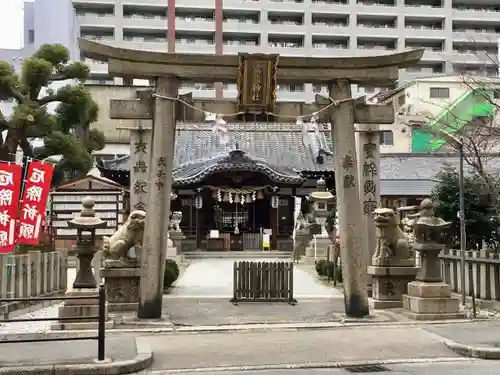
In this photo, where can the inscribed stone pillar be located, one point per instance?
(368, 151)
(158, 200)
(140, 140)
(348, 200)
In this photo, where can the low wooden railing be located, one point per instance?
(34, 274)
(263, 282)
(482, 272)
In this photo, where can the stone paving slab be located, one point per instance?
(123, 356)
(65, 352)
(193, 312)
(214, 278)
(368, 343)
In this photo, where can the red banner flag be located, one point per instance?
(35, 194)
(10, 188)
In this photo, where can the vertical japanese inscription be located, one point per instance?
(139, 155)
(349, 180)
(370, 173)
(161, 165)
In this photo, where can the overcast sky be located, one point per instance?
(11, 23)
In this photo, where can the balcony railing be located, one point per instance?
(98, 37)
(145, 16)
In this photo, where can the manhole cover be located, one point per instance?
(366, 369)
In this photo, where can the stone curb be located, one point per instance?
(323, 365)
(142, 361)
(158, 328)
(473, 351)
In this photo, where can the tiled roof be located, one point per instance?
(424, 166)
(236, 160)
(279, 144)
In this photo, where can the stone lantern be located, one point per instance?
(429, 298)
(320, 198)
(86, 223)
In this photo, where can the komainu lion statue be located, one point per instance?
(391, 241)
(175, 221)
(129, 235)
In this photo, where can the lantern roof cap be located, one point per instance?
(87, 218)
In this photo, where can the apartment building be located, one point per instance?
(458, 35)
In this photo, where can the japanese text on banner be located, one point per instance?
(35, 194)
(10, 186)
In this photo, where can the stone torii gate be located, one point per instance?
(256, 76)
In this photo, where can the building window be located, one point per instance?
(402, 100)
(31, 36)
(386, 138)
(439, 93)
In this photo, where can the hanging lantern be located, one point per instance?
(254, 196)
(260, 195)
(198, 202)
(242, 199)
(236, 198)
(219, 196)
(231, 200)
(274, 201)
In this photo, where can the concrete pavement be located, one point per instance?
(368, 343)
(123, 355)
(478, 340)
(448, 368)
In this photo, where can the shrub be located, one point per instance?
(326, 268)
(171, 273)
(172, 263)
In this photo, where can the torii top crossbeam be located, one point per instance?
(124, 62)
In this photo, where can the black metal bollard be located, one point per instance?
(101, 327)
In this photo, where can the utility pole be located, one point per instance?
(461, 214)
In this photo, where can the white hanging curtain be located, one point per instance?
(296, 213)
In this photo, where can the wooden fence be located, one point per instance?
(34, 274)
(263, 282)
(482, 272)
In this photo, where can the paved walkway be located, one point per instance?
(213, 278)
(368, 343)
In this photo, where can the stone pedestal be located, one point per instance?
(177, 237)
(80, 308)
(389, 281)
(301, 242)
(122, 288)
(429, 298)
(431, 301)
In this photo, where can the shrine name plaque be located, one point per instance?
(257, 82)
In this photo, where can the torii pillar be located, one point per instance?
(354, 246)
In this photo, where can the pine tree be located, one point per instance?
(65, 132)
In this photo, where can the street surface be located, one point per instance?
(189, 351)
(458, 368)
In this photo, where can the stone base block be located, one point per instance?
(122, 288)
(79, 308)
(431, 301)
(389, 284)
(172, 253)
(82, 326)
(392, 262)
(417, 316)
(431, 305)
(429, 290)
